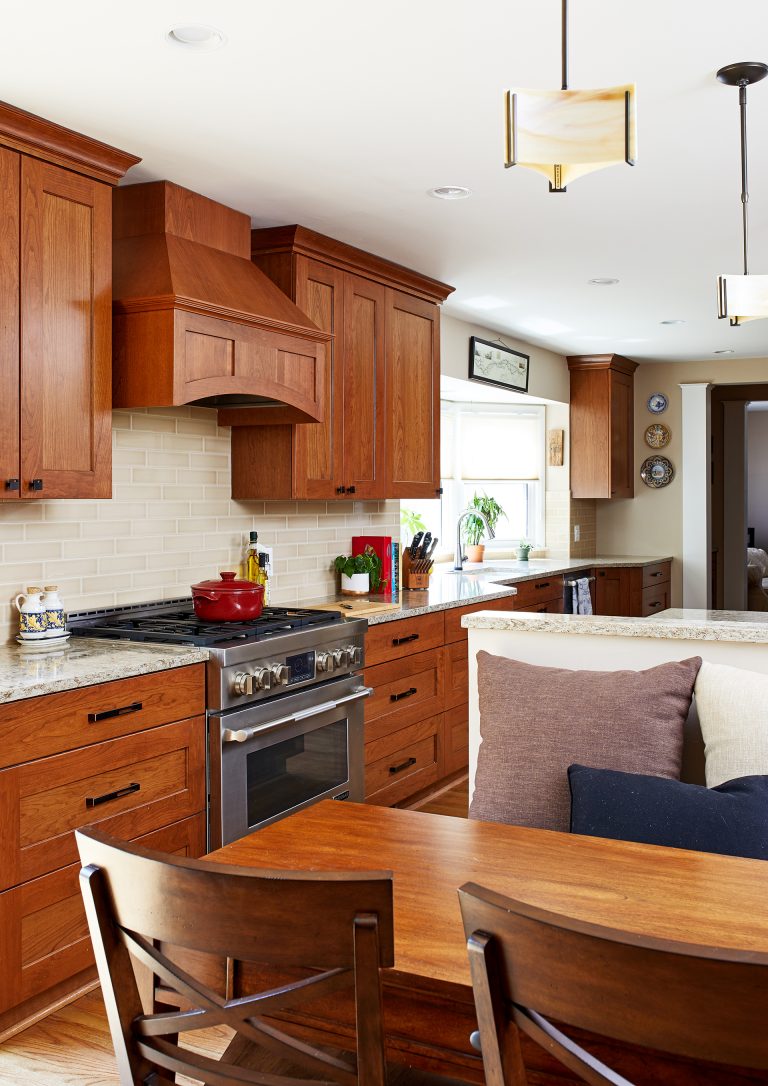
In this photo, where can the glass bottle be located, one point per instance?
(264, 576)
(252, 559)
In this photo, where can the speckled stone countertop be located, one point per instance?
(488, 581)
(27, 673)
(676, 623)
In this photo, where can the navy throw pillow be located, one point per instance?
(731, 819)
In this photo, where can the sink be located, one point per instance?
(501, 567)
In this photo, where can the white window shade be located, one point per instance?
(495, 446)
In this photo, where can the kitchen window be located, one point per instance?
(496, 448)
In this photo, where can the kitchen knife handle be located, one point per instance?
(107, 714)
(405, 640)
(94, 801)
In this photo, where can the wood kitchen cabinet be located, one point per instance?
(634, 591)
(380, 434)
(55, 309)
(128, 756)
(602, 426)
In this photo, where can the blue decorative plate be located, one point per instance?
(657, 403)
(657, 471)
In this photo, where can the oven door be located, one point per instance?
(285, 754)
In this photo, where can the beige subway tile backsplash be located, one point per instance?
(171, 522)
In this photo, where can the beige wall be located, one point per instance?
(170, 523)
(651, 523)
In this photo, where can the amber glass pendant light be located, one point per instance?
(568, 133)
(743, 297)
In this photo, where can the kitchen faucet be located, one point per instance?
(458, 560)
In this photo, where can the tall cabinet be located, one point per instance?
(380, 434)
(602, 426)
(55, 309)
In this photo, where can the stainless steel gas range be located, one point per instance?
(284, 705)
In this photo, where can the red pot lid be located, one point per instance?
(228, 583)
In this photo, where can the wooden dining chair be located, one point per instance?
(154, 917)
(529, 966)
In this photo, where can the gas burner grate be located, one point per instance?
(172, 624)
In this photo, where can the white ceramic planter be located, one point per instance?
(356, 585)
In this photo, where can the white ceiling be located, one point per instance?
(341, 115)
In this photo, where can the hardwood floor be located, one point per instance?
(72, 1046)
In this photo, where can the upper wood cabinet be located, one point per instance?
(379, 437)
(55, 309)
(602, 426)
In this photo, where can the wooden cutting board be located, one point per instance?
(356, 608)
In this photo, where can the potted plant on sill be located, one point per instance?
(360, 573)
(474, 528)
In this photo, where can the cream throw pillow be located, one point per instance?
(733, 713)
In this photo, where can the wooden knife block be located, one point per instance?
(414, 581)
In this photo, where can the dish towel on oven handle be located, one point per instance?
(582, 599)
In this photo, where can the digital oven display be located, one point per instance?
(302, 667)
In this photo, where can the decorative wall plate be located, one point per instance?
(657, 435)
(657, 471)
(657, 403)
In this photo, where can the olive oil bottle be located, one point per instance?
(252, 572)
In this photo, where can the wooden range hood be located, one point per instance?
(195, 322)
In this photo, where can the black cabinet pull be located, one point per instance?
(341, 490)
(94, 801)
(656, 603)
(542, 584)
(36, 484)
(13, 484)
(659, 574)
(439, 492)
(350, 490)
(602, 573)
(107, 714)
(404, 694)
(402, 766)
(405, 640)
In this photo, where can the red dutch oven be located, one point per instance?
(227, 600)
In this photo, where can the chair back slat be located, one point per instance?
(702, 1002)
(157, 916)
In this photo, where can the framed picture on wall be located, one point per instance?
(495, 364)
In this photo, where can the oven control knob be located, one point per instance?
(324, 661)
(243, 682)
(262, 678)
(281, 673)
(338, 657)
(353, 655)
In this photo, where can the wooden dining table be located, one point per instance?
(696, 897)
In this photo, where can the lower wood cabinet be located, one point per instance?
(634, 591)
(416, 721)
(127, 756)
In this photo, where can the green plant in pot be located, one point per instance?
(474, 529)
(524, 548)
(360, 573)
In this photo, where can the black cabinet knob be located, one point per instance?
(341, 490)
(13, 484)
(350, 490)
(36, 484)
(439, 492)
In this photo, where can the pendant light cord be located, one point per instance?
(565, 46)
(744, 187)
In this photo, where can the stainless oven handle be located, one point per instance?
(244, 734)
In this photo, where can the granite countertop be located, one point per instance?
(489, 581)
(676, 623)
(83, 661)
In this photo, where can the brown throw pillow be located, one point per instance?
(536, 721)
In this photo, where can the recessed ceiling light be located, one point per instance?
(725, 350)
(201, 39)
(450, 192)
(672, 322)
(602, 282)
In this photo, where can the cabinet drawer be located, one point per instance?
(551, 607)
(44, 932)
(456, 674)
(656, 574)
(654, 600)
(530, 594)
(51, 723)
(454, 631)
(394, 640)
(127, 786)
(456, 739)
(408, 764)
(404, 691)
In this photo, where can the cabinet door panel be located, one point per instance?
(318, 461)
(9, 324)
(364, 387)
(456, 739)
(413, 397)
(622, 437)
(66, 273)
(612, 591)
